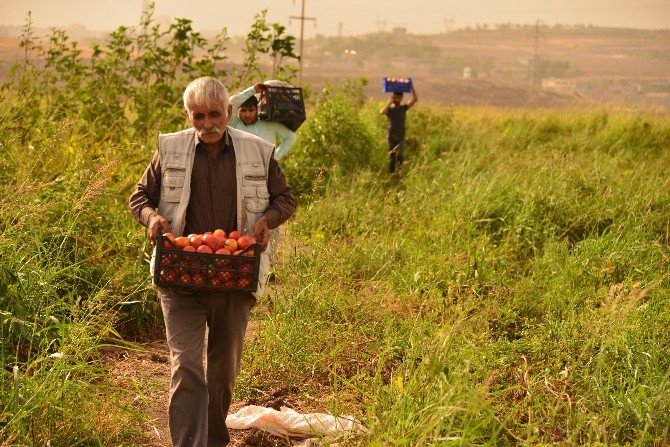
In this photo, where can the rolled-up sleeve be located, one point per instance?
(236, 101)
(282, 202)
(147, 192)
(287, 137)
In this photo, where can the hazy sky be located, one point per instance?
(353, 16)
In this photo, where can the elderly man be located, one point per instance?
(207, 177)
(245, 117)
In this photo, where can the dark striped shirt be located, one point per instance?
(213, 201)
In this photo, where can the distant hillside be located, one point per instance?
(500, 65)
(596, 64)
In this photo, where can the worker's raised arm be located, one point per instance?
(414, 99)
(288, 139)
(385, 110)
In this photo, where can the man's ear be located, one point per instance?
(230, 113)
(188, 116)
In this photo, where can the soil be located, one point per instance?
(149, 368)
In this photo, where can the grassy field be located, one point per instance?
(509, 287)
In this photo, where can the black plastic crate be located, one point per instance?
(283, 104)
(204, 272)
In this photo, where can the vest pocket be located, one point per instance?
(256, 198)
(173, 183)
(255, 177)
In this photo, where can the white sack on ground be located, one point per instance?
(288, 422)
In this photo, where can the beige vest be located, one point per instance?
(252, 157)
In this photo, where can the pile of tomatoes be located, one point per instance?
(213, 260)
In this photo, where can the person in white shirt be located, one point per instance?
(245, 117)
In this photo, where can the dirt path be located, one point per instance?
(150, 370)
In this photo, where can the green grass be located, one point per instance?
(71, 278)
(510, 287)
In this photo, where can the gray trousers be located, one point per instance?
(199, 400)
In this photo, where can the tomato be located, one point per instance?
(198, 278)
(230, 245)
(245, 241)
(214, 242)
(185, 278)
(169, 236)
(204, 249)
(195, 240)
(181, 241)
(168, 274)
(244, 280)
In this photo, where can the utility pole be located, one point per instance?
(381, 25)
(448, 23)
(536, 57)
(302, 19)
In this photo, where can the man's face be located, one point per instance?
(396, 99)
(248, 114)
(210, 121)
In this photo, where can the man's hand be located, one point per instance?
(262, 231)
(157, 225)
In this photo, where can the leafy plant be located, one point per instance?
(269, 39)
(335, 142)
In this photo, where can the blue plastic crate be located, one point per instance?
(400, 85)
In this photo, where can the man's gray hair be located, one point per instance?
(205, 91)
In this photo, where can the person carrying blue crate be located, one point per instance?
(245, 117)
(395, 111)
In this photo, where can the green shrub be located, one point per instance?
(334, 143)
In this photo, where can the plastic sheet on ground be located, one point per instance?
(288, 422)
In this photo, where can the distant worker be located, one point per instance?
(245, 117)
(395, 112)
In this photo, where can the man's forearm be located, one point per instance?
(282, 203)
(414, 99)
(237, 99)
(384, 110)
(144, 200)
(274, 218)
(287, 141)
(146, 214)
(140, 205)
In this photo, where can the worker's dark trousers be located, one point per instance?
(396, 152)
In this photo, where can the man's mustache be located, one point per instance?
(212, 130)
